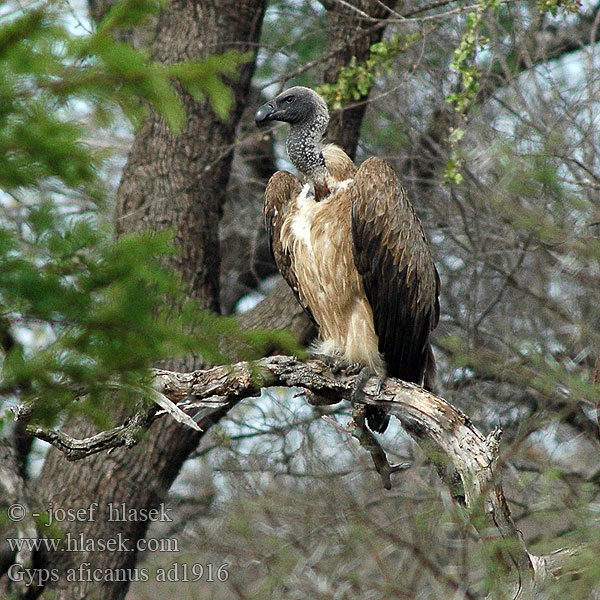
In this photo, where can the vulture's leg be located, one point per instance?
(336, 364)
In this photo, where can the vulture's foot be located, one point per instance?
(335, 363)
(356, 369)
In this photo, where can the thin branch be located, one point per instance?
(75, 449)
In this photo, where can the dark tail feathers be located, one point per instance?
(378, 419)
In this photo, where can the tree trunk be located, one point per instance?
(173, 182)
(176, 182)
(179, 181)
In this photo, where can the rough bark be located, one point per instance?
(180, 181)
(176, 182)
(428, 418)
(191, 202)
(475, 457)
(13, 492)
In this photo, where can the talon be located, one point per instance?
(354, 369)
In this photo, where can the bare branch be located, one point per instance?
(75, 449)
(424, 415)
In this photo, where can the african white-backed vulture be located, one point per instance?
(352, 249)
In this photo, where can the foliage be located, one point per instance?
(44, 69)
(516, 245)
(298, 510)
(553, 6)
(463, 57)
(465, 63)
(96, 307)
(356, 80)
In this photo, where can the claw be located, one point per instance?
(354, 369)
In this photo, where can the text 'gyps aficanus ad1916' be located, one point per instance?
(352, 249)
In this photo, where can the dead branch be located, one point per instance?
(425, 416)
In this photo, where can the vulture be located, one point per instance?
(349, 244)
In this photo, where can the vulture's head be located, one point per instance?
(298, 106)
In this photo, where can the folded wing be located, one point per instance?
(282, 190)
(394, 260)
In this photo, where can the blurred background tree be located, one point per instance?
(489, 114)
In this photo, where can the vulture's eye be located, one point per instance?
(289, 99)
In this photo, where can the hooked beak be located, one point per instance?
(267, 112)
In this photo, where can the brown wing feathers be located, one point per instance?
(389, 249)
(394, 260)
